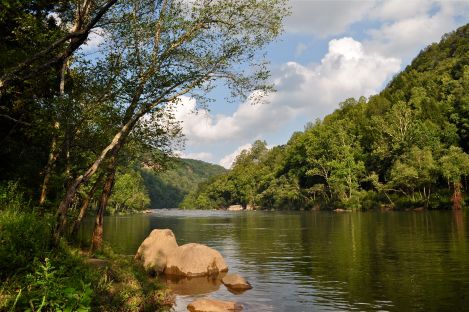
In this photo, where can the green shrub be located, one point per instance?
(23, 237)
(11, 197)
(50, 289)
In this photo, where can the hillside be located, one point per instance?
(168, 188)
(403, 148)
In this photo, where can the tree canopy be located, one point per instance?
(406, 147)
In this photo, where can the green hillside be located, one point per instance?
(167, 189)
(403, 148)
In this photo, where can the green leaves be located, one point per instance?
(48, 290)
(454, 164)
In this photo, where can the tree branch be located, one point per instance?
(80, 36)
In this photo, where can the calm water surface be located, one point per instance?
(320, 261)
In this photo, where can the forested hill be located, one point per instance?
(406, 147)
(168, 188)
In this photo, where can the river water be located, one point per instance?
(320, 261)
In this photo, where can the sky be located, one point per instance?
(330, 50)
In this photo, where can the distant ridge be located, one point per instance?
(167, 189)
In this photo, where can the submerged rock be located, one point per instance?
(236, 282)
(195, 260)
(211, 305)
(191, 286)
(155, 248)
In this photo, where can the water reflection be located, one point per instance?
(317, 261)
(192, 286)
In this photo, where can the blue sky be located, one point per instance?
(331, 50)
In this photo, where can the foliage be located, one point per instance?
(12, 197)
(129, 192)
(23, 237)
(454, 164)
(405, 147)
(167, 188)
(36, 276)
(46, 290)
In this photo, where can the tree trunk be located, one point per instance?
(112, 148)
(457, 196)
(85, 206)
(54, 151)
(97, 237)
(53, 154)
(116, 144)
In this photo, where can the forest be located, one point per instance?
(404, 148)
(168, 188)
(87, 96)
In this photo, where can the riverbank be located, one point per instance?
(35, 276)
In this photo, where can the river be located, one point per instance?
(321, 261)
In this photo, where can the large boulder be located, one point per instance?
(155, 249)
(194, 260)
(236, 282)
(211, 305)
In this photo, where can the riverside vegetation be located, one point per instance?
(405, 148)
(79, 120)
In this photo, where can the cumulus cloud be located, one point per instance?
(347, 70)
(400, 9)
(401, 27)
(228, 160)
(410, 26)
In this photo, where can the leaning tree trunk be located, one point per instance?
(97, 237)
(54, 150)
(85, 206)
(131, 119)
(53, 154)
(457, 196)
(72, 189)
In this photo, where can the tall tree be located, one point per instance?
(172, 48)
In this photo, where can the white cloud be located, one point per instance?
(347, 70)
(412, 26)
(400, 9)
(407, 35)
(324, 17)
(228, 160)
(403, 27)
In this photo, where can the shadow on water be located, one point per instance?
(319, 261)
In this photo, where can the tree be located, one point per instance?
(172, 48)
(87, 14)
(415, 171)
(454, 165)
(334, 155)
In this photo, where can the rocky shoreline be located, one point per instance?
(159, 254)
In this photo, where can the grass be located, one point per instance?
(34, 276)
